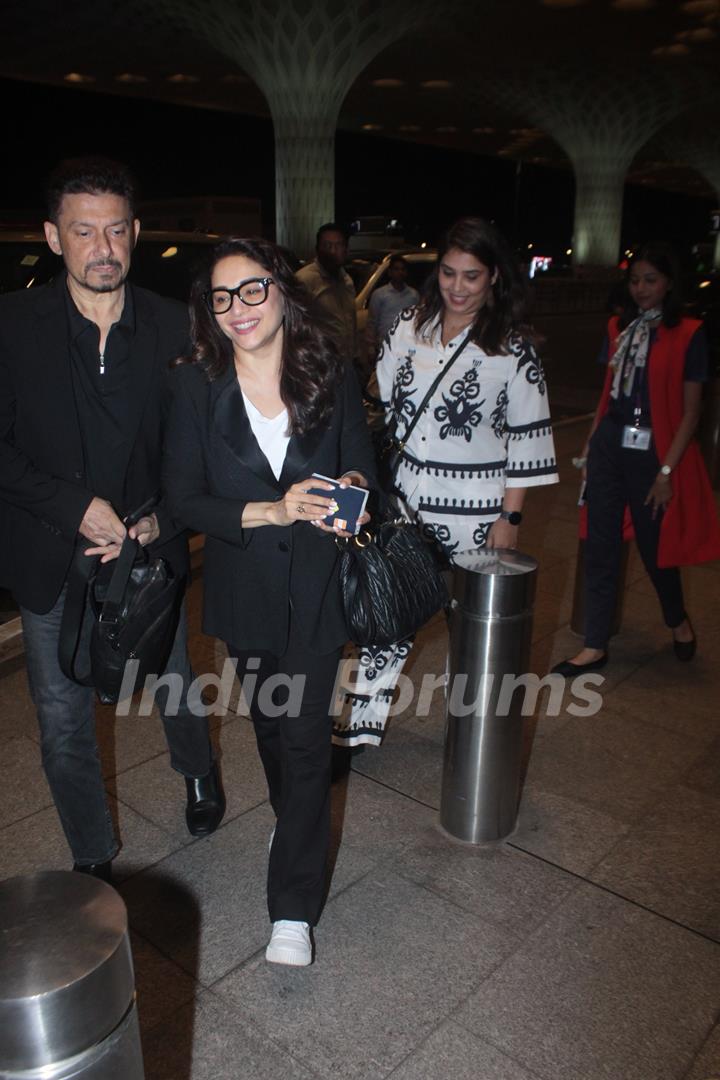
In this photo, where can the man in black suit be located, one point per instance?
(83, 395)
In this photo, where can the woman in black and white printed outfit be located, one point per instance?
(485, 436)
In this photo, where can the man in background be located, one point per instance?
(327, 281)
(387, 302)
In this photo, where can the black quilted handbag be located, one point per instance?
(391, 583)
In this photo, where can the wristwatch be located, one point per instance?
(514, 517)
(665, 470)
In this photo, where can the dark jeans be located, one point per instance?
(616, 477)
(296, 754)
(66, 715)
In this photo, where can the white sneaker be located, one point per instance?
(289, 944)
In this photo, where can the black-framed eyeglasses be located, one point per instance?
(252, 291)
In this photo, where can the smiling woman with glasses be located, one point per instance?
(262, 403)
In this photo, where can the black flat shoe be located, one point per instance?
(685, 650)
(205, 803)
(102, 870)
(568, 669)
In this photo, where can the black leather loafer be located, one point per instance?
(205, 803)
(568, 669)
(102, 870)
(685, 650)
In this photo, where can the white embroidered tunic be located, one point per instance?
(486, 428)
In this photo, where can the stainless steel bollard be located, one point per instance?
(490, 634)
(67, 997)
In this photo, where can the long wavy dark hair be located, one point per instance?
(505, 311)
(310, 367)
(663, 258)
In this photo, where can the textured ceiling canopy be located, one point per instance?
(485, 76)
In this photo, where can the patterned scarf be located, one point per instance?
(632, 350)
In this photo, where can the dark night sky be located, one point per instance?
(176, 150)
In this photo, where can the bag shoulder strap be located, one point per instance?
(82, 571)
(426, 400)
(118, 582)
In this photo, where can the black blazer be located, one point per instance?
(43, 496)
(213, 467)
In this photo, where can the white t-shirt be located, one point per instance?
(271, 434)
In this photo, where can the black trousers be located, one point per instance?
(293, 728)
(616, 477)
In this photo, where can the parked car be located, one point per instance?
(166, 262)
(369, 276)
(25, 260)
(419, 264)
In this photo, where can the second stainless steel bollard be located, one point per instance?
(67, 996)
(490, 634)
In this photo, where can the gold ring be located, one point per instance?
(301, 508)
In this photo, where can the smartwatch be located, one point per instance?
(514, 517)
(665, 470)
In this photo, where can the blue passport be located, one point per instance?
(351, 503)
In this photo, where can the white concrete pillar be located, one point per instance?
(600, 122)
(304, 55)
(599, 187)
(304, 179)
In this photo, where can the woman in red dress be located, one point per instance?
(641, 455)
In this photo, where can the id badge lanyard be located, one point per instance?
(635, 436)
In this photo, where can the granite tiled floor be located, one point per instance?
(584, 947)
